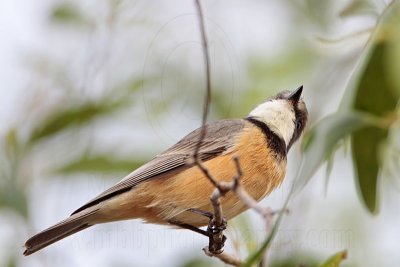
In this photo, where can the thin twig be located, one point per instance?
(208, 79)
(217, 224)
(251, 203)
(207, 173)
(242, 194)
(215, 200)
(225, 257)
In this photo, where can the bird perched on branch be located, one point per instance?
(171, 189)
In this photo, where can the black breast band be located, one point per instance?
(275, 142)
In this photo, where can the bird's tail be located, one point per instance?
(69, 226)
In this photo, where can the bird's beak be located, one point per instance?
(295, 95)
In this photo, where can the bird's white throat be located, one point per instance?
(279, 116)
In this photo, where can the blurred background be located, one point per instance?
(90, 90)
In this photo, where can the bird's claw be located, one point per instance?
(216, 237)
(213, 229)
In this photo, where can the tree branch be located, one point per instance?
(207, 99)
(217, 224)
(225, 257)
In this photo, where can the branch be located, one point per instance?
(218, 224)
(225, 257)
(217, 240)
(207, 99)
(251, 203)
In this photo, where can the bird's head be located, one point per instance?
(285, 114)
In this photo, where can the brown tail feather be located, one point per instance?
(67, 227)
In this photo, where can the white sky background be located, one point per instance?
(239, 30)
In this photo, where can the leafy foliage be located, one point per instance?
(75, 115)
(12, 195)
(377, 96)
(68, 13)
(256, 256)
(366, 116)
(15, 199)
(100, 164)
(320, 142)
(335, 260)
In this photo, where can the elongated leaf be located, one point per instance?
(365, 148)
(69, 13)
(12, 261)
(100, 164)
(372, 90)
(73, 116)
(335, 260)
(247, 235)
(15, 199)
(257, 255)
(66, 12)
(329, 166)
(374, 94)
(321, 140)
(357, 7)
(11, 144)
(393, 55)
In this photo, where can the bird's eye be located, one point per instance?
(298, 124)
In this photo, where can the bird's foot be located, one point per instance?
(215, 231)
(217, 238)
(202, 212)
(189, 227)
(213, 228)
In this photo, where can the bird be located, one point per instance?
(170, 189)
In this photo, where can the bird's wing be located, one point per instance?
(219, 137)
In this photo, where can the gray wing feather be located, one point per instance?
(219, 137)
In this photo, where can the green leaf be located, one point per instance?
(68, 13)
(335, 260)
(14, 198)
(11, 144)
(320, 142)
(319, 12)
(393, 54)
(373, 89)
(365, 151)
(247, 235)
(357, 7)
(12, 261)
(257, 255)
(376, 95)
(135, 85)
(100, 164)
(73, 116)
(329, 167)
